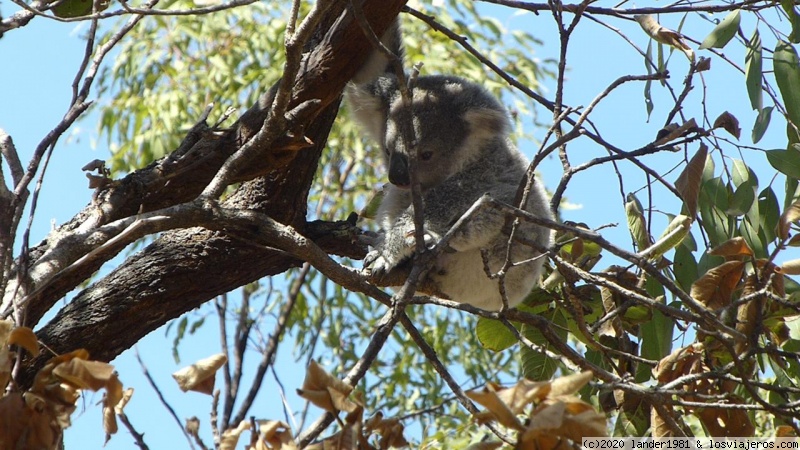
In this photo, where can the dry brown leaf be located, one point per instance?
(794, 241)
(569, 384)
(560, 418)
(109, 422)
(663, 35)
(729, 123)
(721, 422)
(348, 438)
(25, 426)
(791, 267)
(192, 426)
(703, 64)
(274, 435)
(714, 289)
(674, 132)
(658, 425)
(791, 215)
(485, 445)
(496, 408)
(85, 374)
(389, 430)
(230, 437)
(688, 182)
(326, 391)
(126, 397)
(674, 365)
(200, 376)
(784, 431)
(25, 338)
(732, 248)
(6, 356)
(546, 418)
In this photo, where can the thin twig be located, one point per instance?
(161, 397)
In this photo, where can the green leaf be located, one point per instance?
(794, 18)
(714, 201)
(656, 335)
(685, 267)
(755, 237)
(746, 187)
(636, 222)
(180, 332)
(672, 236)
(787, 75)
(723, 32)
(493, 335)
(762, 123)
(76, 8)
(648, 99)
(768, 213)
(786, 162)
(753, 72)
(536, 365)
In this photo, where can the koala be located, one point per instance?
(464, 152)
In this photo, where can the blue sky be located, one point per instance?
(39, 63)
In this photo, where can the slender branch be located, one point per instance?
(162, 399)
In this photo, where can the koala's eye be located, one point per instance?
(426, 156)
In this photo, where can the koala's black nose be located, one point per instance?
(398, 170)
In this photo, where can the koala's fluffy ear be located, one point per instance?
(369, 109)
(486, 123)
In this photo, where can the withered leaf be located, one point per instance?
(725, 422)
(569, 384)
(230, 437)
(85, 374)
(496, 409)
(126, 397)
(563, 417)
(326, 391)
(6, 358)
(275, 435)
(192, 426)
(200, 376)
(791, 267)
(729, 123)
(25, 338)
(672, 131)
(715, 288)
(674, 365)
(791, 215)
(732, 248)
(688, 182)
(485, 445)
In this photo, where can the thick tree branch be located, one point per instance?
(183, 269)
(338, 51)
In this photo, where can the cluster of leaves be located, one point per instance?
(37, 417)
(555, 417)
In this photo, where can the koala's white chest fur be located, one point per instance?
(462, 277)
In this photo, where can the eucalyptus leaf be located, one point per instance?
(723, 32)
(787, 75)
(753, 73)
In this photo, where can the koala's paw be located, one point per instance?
(394, 251)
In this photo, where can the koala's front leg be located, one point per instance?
(397, 246)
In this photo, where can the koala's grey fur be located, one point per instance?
(463, 153)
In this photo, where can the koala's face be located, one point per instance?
(452, 121)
